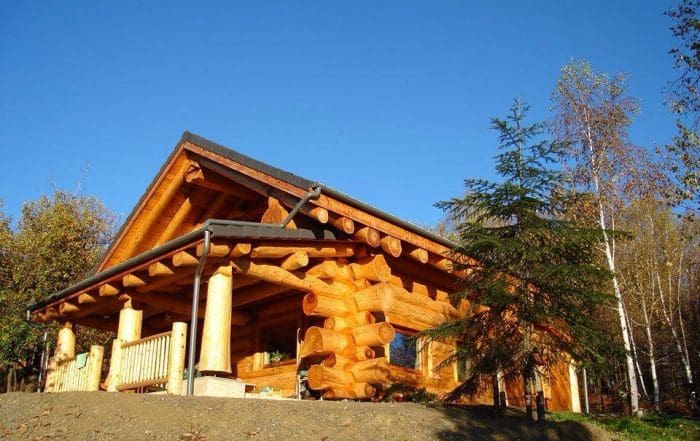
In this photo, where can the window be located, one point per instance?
(280, 344)
(464, 369)
(404, 352)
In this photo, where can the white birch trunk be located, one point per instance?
(622, 315)
(634, 354)
(668, 318)
(652, 358)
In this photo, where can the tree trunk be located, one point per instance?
(496, 397)
(622, 315)
(668, 318)
(634, 354)
(527, 386)
(610, 258)
(652, 359)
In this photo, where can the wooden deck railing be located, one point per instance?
(81, 373)
(157, 360)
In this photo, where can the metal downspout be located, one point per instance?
(313, 194)
(195, 312)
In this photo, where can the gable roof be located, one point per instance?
(299, 181)
(277, 173)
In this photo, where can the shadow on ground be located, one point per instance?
(478, 423)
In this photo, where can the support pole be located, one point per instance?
(585, 391)
(195, 311)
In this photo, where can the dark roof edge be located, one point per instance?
(304, 183)
(217, 227)
(233, 155)
(116, 269)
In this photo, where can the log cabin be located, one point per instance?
(251, 273)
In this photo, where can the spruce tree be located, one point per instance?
(531, 277)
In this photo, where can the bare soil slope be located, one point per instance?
(100, 415)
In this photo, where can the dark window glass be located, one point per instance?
(402, 352)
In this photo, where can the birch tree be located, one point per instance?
(592, 117)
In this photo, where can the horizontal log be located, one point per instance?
(318, 213)
(319, 304)
(376, 298)
(325, 251)
(349, 320)
(131, 280)
(276, 213)
(385, 295)
(376, 334)
(358, 391)
(321, 341)
(324, 270)
(183, 258)
(374, 268)
(207, 179)
(337, 361)
(344, 224)
(215, 249)
(85, 298)
(405, 322)
(420, 288)
(107, 290)
(240, 249)
(387, 298)
(295, 261)
(321, 377)
(419, 255)
(67, 308)
(46, 315)
(363, 353)
(368, 235)
(374, 371)
(391, 245)
(274, 274)
(159, 269)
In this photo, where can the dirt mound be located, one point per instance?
(101, 415)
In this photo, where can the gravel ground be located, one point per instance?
(112, 416)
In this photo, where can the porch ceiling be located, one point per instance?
(160, 280)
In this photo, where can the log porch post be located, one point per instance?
(129, 329)
(176, 363)
(94, 368)
(65, 345)
(215, 351)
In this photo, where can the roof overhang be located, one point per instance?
(220, 230)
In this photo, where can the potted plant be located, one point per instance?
(276, 356)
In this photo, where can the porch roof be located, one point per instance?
(219, 229)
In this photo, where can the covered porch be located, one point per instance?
(244, 282)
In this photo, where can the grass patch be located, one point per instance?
(652, 427)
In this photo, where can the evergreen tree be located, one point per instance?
(530, 277)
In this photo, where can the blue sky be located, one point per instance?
(387, 101)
